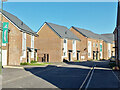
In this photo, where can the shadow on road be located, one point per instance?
(101, 63)
(65, 77)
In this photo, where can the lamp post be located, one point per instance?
(2, 25)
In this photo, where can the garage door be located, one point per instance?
(4, 57)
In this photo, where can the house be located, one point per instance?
(20, 46)
(109, 38)
(93, 46)
(117, 37)
(57, 43)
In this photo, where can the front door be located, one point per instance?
(69, 56)
(47, 57)
(77, 56)
(96, 55)
(93, 55)
(27, 56)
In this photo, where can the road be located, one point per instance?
(95, 74)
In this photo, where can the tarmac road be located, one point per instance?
(77, 75)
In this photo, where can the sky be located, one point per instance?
(62, 0)
(99, 17)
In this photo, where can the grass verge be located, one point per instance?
(77, 61)
(35, 63)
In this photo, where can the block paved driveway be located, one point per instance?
(87, 74)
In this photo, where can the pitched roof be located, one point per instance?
(109, 36)
(106, 39)
(62, 31)
(22, 26)
(87, 33)
(92, 35)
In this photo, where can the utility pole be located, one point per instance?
(1, 27)
(1, 31)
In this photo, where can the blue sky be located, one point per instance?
(99, 17)
(62, 0)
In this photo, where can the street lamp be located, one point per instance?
(1, 25)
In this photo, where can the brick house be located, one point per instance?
(117, 37)
(20, 47)
(93, 45)
(57, 43)
(109, 38)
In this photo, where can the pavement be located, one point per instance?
(87, 74)
(0, 81)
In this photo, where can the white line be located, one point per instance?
(89, 79)
(115, 76)
(86, 78)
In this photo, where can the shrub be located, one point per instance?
(33, 61)
(24, 63)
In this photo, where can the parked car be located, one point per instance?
(112, 59)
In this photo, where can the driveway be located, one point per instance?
(77, 75)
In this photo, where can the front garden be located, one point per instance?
(35, 63)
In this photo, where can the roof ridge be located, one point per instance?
(56, 24)
(16, 21)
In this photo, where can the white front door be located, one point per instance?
(4, 57)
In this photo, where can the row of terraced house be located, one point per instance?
(53, 43)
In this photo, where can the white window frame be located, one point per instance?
(32, 46)
(89, 49)
(74, 48)
(101, 52)
(93, 44)
(109, 50)
(65, 48)
(24, 45)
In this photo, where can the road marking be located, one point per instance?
(90, 78)
(115, 75)
(86, 77)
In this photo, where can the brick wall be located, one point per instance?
(81, 45)
(48, 42)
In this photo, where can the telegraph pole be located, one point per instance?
(1, 27)
(1, 30)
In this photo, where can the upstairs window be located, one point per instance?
(24, 44)
(74, 48)
(65, 48)
(93, 44)
(32, 46)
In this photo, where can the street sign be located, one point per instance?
(5, 32)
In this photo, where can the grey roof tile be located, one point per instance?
(62, 31)
(92, 35)
(110, 36)
(87, 33)
(18, 23)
